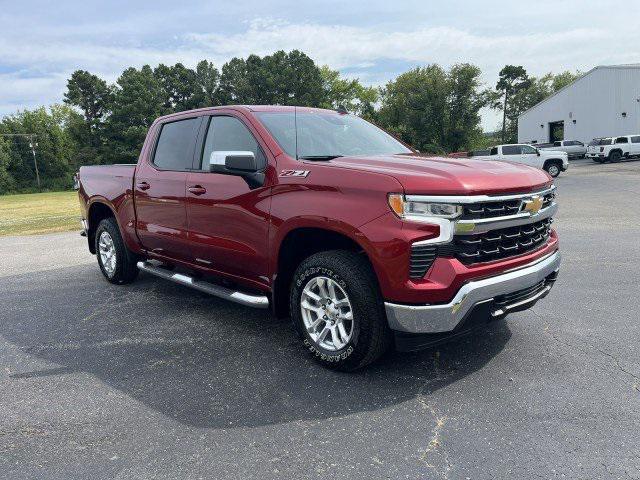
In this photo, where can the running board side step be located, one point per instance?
(248, 299)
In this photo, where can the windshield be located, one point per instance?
(324, 135)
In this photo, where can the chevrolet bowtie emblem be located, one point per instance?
(532, 205)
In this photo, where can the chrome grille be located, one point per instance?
(489, 228)
(491, 209)
(501, 243)
(502, 208)
(548, 198)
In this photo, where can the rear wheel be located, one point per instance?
(338, 311)
(553, 168)
(117, 263)
(615, 156)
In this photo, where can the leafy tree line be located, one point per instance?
(434, 109)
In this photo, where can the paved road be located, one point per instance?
(157, 381)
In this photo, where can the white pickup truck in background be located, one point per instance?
(552, 161)
(573, 148)
(614, 149)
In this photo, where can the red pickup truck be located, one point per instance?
(326, 219)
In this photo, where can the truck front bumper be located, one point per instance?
(494, 296)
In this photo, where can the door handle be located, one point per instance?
(143, 186)
(197, 189)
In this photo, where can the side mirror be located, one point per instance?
(240, 163)
(233, 162)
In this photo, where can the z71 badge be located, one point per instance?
(294, 173)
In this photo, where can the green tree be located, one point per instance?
(348, 93)
(138, 100)
(54, 148)
(180, 87)
(465, 99)
(7, 182)
(432, 109)
(93, 97)
(208, 80)
(511, 80)
(279, 79)
(414, 106)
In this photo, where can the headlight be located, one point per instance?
(422, 210)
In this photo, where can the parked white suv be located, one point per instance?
(552, 161)
(614, 149)
(573, 148)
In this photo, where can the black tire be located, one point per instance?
(371, 336)
(615, 156)
(125, 270)
(598, 160)
(553, 168)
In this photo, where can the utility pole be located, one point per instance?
(32, 144)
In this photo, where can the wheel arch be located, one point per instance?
(298, 243)
(98, 210)
(549, 161)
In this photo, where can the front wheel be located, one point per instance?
(338, 311)
(117, 263)
(615, 157)
(553, 169)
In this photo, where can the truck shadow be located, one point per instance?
(205, 362)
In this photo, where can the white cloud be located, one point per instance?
(39, 60)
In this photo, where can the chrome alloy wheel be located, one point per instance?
(327, 313)
(107, 252)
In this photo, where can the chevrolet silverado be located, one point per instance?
(326, 219)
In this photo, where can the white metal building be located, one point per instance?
(602, 103)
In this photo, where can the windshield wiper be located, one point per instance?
(319, 157)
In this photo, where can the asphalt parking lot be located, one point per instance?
(154, 380)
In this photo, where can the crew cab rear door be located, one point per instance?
(228, 220)
(161, 214)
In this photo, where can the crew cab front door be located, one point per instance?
(634, 146)
(161, 214)
(529, 156)
(228, 220)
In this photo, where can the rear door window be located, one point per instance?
(511, 150)
(635, 139)
(174, 150)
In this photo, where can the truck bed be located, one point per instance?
(109, 181)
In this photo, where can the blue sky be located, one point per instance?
(41, 43)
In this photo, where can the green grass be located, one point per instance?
(34, 213)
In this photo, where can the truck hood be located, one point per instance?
(445, 176)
